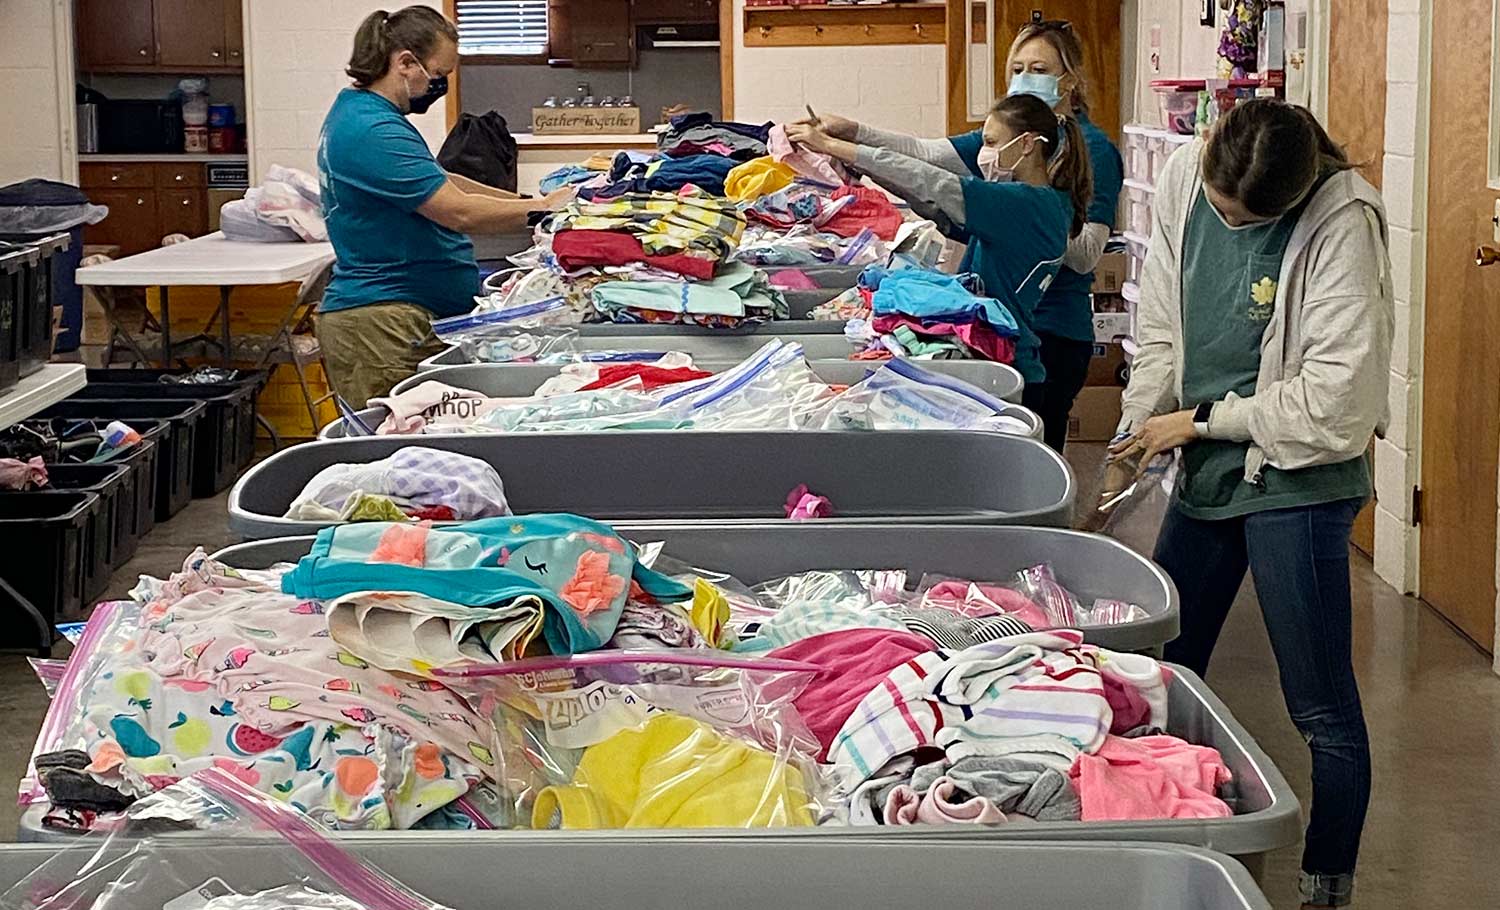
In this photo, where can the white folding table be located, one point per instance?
(209, 261)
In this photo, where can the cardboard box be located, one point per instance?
(1110, 327)
(1109, 274)
(1107, 368)
(584, 121)
(1096, 413)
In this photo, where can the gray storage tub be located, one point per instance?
(628, 872)
(1089, 565)
(905, 477)
(522, 380)
(701, 343)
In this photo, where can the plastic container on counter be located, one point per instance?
(1179, 103)
(967, 477)
(228, 444)
(17, 266)
(702, 343)
(39, 298)
(44, 548)
(1089, 565)
(175, 467)
(828, 872)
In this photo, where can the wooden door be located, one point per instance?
(1461, 341)
(234, 32)
(131, 223)
(1097, 25)
(1356, 120)
(115, 33)
(190, 33)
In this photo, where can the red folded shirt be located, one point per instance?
(580, 249)
(652, 377)
(871, 209)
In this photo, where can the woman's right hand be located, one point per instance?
(834, 125)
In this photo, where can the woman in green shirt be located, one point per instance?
(1265, 332)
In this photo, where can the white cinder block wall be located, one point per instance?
(1404, 178)
(899, 87)
(33, 145)
(297, 50)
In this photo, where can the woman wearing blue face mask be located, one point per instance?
(1046, 60)
(398, 222)
(1026, 193)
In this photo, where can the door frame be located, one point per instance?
(64, 65)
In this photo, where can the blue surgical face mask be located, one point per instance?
(1043, 85)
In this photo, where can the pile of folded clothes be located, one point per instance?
(541, 671)
(921, 313)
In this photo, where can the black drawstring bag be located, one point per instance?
(481, 148)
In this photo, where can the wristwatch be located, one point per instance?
(1200, 418)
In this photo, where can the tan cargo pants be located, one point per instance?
(368, 349)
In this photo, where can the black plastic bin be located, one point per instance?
(43, 545)
(40, 296)
(174, 470)
(114, 483)
(143, 460)
(17, 264)
(229, 446)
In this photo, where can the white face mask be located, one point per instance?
(990, 167)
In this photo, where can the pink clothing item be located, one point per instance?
(431, 407)
(976, 599)
(22, 475)
(814, 165)
(904, 806)
(852, 662)
(1152, 777)
(402, 544)
(793, 280)
(801, 504)
(978, 337)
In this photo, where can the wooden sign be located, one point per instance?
(584, 121)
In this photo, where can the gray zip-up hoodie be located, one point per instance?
(1326, 354)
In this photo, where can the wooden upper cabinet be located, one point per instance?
(191, 33)
(115, 33)
(602, 33)
(673, 12)
(234, 32)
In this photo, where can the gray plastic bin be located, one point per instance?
(1089, 565)
(701, 343)
(964, 477)
(631, 872)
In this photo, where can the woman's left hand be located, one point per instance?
(1157, 435)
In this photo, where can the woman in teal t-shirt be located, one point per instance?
(1017, 217)
(1265, 346)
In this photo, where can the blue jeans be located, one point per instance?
(1299, 559)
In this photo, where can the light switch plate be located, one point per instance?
(1496, 221)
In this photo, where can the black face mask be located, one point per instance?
(437, 87)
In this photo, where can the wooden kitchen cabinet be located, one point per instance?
(181, 212)
(116, 33)
(131, 223)
(161, 36)
(602, 33)
(673, 12)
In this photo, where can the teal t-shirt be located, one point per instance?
(1229, 278)
(375, 171)
(1067, 309)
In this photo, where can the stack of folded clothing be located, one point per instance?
(929, 313)
(700, 134)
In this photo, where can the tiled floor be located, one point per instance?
(1433, 837)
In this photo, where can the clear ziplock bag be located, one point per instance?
(251, 852)
(622, 405)
(773, 389)
(903, 396)
(651, 739)
(48, 672)
(111, 633)
(521, 333)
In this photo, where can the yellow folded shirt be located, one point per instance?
(674, 772)
(756, 178)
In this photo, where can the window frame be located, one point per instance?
(509, 59)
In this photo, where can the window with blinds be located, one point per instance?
(502, 27)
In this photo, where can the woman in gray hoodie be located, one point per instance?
(1265, 343)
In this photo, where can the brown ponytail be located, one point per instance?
(1067, 155)
(418, 29)
(1267, 154)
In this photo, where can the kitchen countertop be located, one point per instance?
(163, 157)
(605, 140)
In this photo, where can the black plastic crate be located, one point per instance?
(222, 453)
(142, 460)
(16, 266)
(114, 484)
(40, 296)
(43, 547)
(174, 471)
